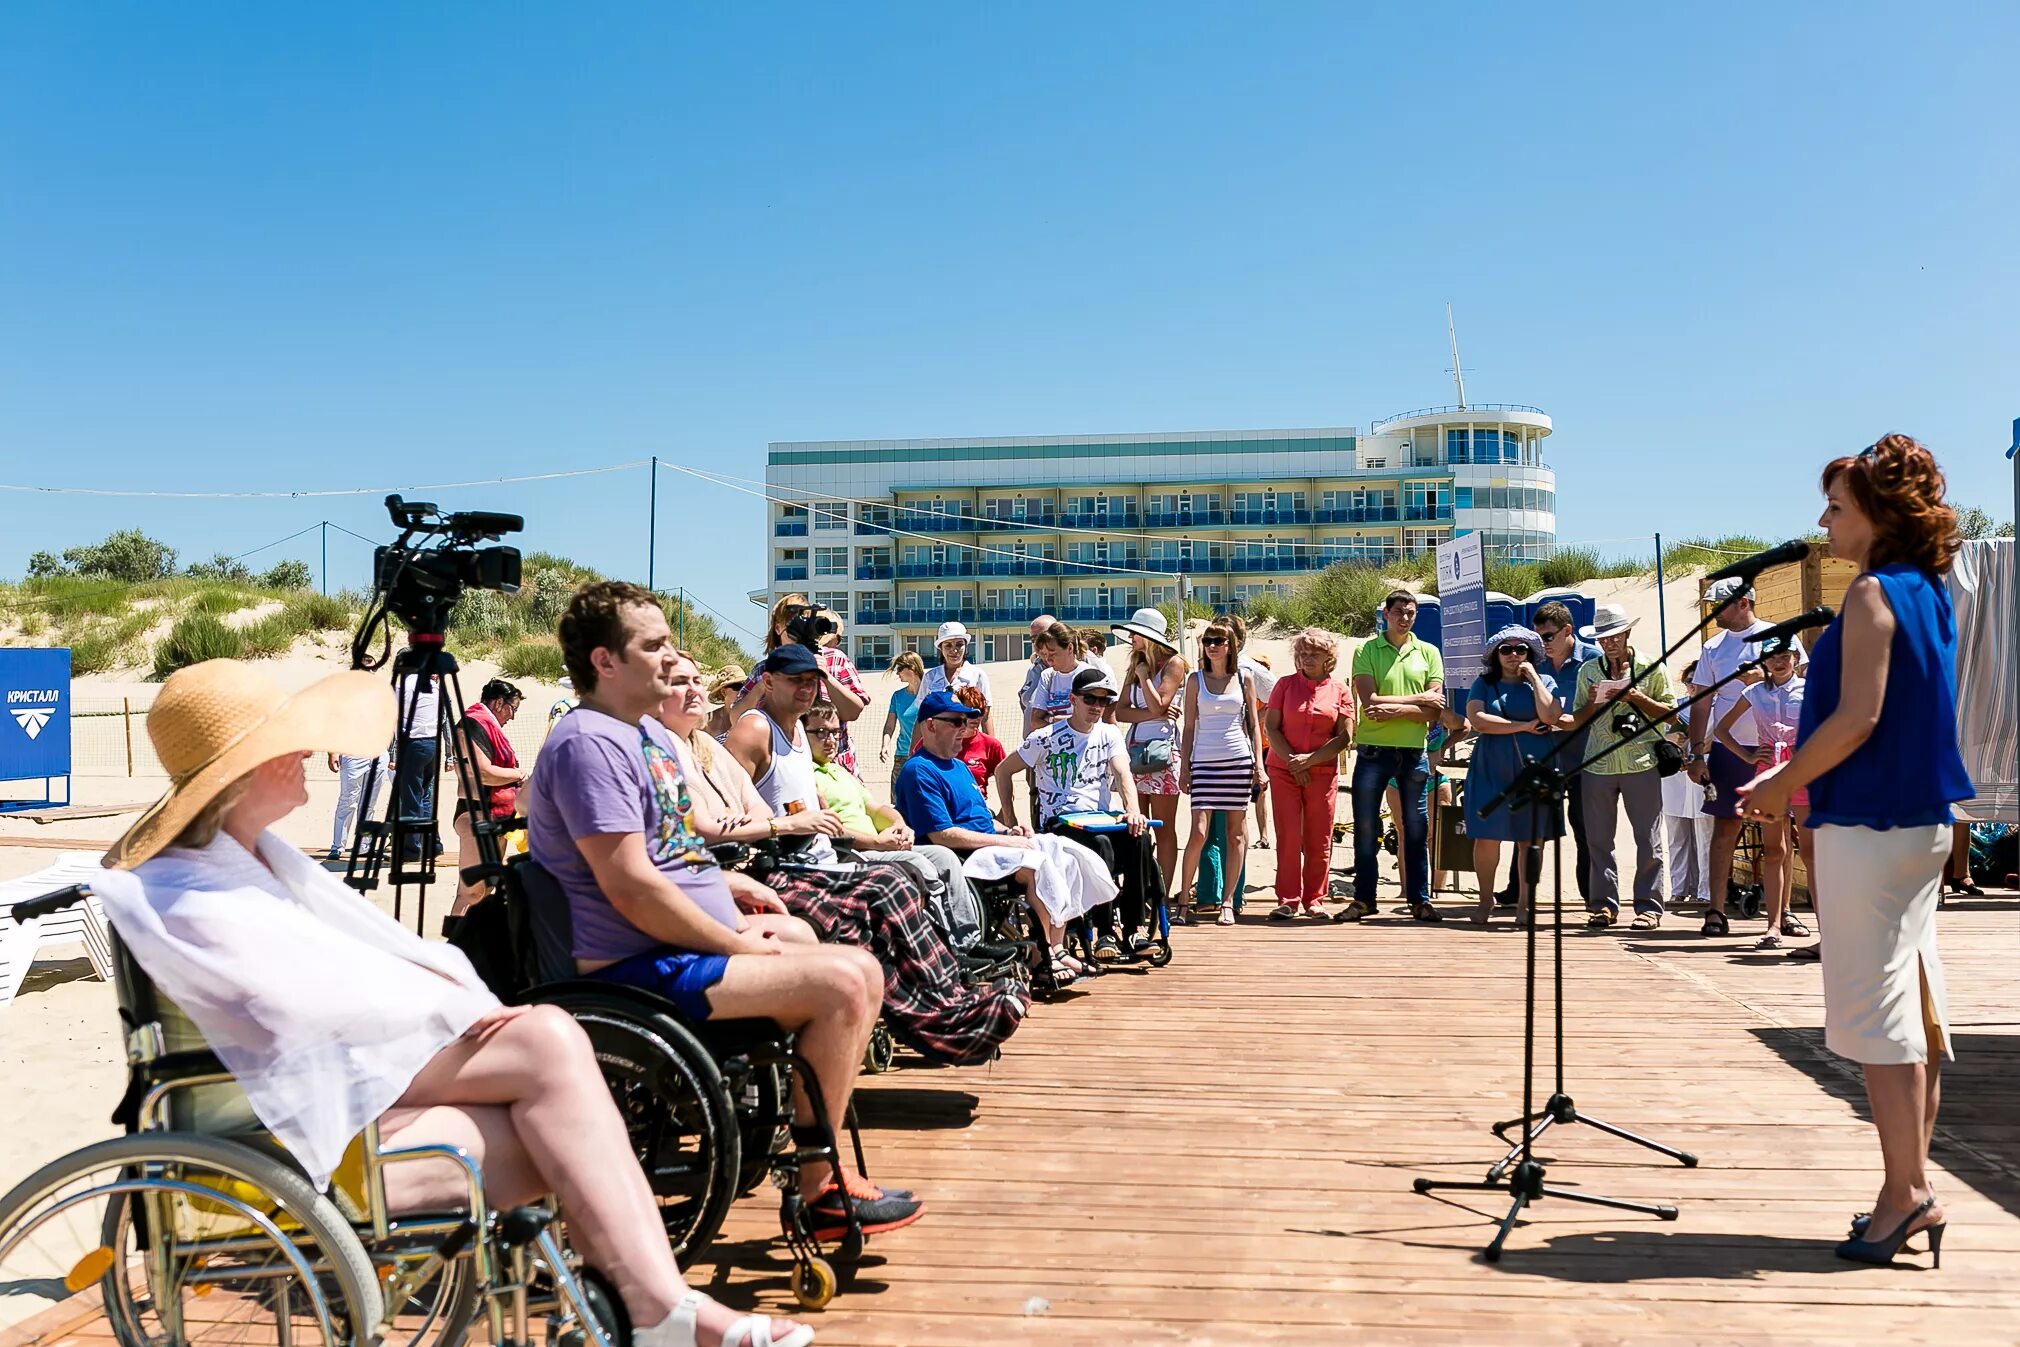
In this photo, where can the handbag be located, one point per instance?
(1147, 756)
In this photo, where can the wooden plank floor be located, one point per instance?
(1222, 1152)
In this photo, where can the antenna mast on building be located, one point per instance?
(1457, 371)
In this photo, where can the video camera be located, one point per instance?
(808, 624)
(420, 576)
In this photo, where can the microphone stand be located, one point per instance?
(1537, 785)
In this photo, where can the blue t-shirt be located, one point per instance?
(1909, 771)
(905, 706)
(933, 794)
(597, 775)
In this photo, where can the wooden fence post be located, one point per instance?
(126, 719)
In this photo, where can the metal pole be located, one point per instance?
(680, 619)
(126, 719)
(1661, 609)
(1184, 588)
(326, 558)
(652, 525)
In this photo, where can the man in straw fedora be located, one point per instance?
(329, 1014)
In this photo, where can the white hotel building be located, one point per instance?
(901, 535)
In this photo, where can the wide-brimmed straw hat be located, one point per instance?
(1149, 624)
(1608, 619)
(217, 720)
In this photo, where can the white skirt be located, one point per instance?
(1876, 892)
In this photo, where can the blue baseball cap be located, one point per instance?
(945, 704)
(790, 659)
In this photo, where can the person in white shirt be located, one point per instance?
(1734, 646)
(1050, 685)
(1039, 626)
(1081, 765)
(1686, 827)
(954, 671)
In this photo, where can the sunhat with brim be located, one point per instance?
(728, 676)
(1608, 619)
(1518, 633)
(951, 631)
(217, 720)
(1149, 624)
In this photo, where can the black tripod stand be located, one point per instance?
(408, 840)
(1539, 786)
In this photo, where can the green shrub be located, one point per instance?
(94, 652)
(537, 658)
(219, 601)
(484, 616)
(219, 567)
(318, 612)
(1692, 554)
(127, 555)
(66, 598)
(272, 635)
(289, 574)
(547, 596)
(194, 638)
(33, 622)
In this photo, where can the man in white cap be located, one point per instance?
(1624, 774)
(1710, 762)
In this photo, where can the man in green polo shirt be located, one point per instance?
(1399, 689)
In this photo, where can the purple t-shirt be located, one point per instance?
(596, 774)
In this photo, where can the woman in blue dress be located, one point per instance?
(1511, 708)
(1876, 745)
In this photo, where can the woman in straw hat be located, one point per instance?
(1153, 691)
(331, 1014)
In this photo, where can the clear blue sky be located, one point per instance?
(295, 247)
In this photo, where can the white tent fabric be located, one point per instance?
(1983, 592)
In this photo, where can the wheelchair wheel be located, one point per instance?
(814, 1283)
(672, 1098)
(763, 1094)
(182, 1239)
(1158, 953)
(881, 1052)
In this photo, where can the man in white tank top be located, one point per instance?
(771, 743)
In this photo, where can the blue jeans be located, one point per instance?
(420, 764)
(1374, 769)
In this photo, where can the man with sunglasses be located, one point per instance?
(1081, 765)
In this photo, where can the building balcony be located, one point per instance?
(907, 521)
(1021, 616)
(790, 528)
(1280, 517)
(931, 617)
(1185, 519)
(872, 617)
(1374, 514)
(872, 530)
(1112, 520)
(1032, 566)
(1425, 514)
(1117, 612)
(874, 572)
(990, 524)
(789, 572)
(927, 570)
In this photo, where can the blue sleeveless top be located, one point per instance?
(1908, 772)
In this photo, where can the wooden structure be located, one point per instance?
(1221, 1152)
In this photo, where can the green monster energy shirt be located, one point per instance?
(1072, 769)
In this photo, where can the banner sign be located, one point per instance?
(34, 714)
(1462, 595)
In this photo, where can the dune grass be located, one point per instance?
(537, 658)
(194, 638)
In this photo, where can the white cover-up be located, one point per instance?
(320, 1005)
(1070, 880)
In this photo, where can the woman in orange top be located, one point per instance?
(1309, 723)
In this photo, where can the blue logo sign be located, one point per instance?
(34, 714)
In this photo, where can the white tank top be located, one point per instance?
(789, 782)
(1220, 730)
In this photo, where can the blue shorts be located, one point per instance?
(681, 977)
(1728, 773)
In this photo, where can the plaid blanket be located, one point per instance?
(927, 1007)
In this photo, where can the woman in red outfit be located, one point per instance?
(1309, 723)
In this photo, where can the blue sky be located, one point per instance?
(301, 247)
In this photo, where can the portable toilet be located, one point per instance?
(1581, 605)
(1503, 611)
(1430, 621)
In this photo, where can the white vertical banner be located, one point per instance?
(1462, 598)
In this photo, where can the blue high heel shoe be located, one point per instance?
(1880, 1252)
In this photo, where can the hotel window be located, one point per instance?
(1456, 447)
(1421, 540)
(1424, 495)
(793, 514)
(831, 517)
(878, 605)
(837, 599)
(877, 556)
(879, 515)
(1163, 594)
(874, 651)
(793, 556)
(831, 561)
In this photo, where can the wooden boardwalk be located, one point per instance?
(1222, 1152)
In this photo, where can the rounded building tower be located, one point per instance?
(1501, 487)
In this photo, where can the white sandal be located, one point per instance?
(753, 1330)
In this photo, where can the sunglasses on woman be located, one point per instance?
(1513, 650)
(1213, 640)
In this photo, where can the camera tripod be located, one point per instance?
(1540, 786)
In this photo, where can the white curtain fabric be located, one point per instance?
(1982, 591)
(321, 1006)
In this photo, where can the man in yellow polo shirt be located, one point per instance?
(1399, 686)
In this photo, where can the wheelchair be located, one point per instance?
(1007, 918)
(197, 1225)
(708, 1104)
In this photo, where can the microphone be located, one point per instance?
(1819, 616)
(1746, 568)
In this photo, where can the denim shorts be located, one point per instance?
(681, 977)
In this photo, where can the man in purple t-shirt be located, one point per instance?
(608, 816)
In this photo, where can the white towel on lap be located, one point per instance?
(1069, 880)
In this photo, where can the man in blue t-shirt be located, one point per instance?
(608, 816)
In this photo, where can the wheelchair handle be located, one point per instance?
(51, 902)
